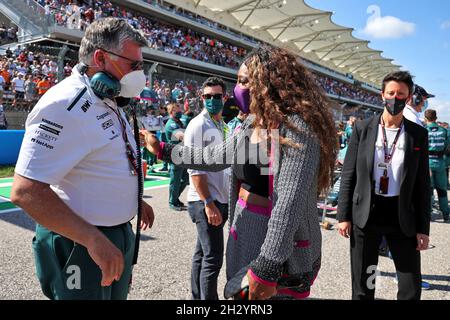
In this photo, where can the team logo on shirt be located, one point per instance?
(86, 105)
(41, 143)
(53, 124)
(115, 135)
(107, 124)
(50, 127)
(45, 136)
(103, 116)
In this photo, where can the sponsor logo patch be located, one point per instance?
(45, 136)
(114, 137)
(107, 124)
(103, 116)
(53, 124)
(49, 129)
(41, 143)
(86, 105)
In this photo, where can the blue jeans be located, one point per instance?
(208, 254)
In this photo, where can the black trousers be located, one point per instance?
(383, 221)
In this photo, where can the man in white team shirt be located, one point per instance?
(74, 172)
(417, 104)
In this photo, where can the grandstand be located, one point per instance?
(190, 40)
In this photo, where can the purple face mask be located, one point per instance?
(242, 98)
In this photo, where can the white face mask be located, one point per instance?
(132, 84)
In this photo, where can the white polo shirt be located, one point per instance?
(73, 142)
(412, 115)
(202, 132)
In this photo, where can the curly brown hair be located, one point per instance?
(280, 85)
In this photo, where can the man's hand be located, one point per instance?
(108, 257)
(46, 208)
(147, 216)
(345, 229)
(422, 242)
(213, 214)
(259, 291)
(151, 142)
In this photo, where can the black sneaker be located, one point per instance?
(182, 205)
(175, 207)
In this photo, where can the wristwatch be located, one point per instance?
(208, 201)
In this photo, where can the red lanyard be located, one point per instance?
(388, 156)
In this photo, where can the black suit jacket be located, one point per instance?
(357, 188)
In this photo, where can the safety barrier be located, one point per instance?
(10, 142)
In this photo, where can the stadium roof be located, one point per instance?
(309, 31)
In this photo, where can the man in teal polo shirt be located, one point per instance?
(437, 140)
(179, 177)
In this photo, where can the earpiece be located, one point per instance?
(105, 85)
(102, 83)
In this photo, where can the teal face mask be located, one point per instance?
(425, 105)
(213, 106)
(178, 115)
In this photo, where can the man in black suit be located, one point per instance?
(383, 192)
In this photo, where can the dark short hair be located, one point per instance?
(430, 115)
(399, 76)
(214, 81)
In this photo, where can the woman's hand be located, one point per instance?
(259, 291)
(345, 229)
(422, 242)
(151, 142)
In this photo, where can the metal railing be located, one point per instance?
(29, 16)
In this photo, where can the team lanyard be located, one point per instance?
(221, 126)
(131, 154)
(134, 158)
(388, 155)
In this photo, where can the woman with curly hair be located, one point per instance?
(281, 159)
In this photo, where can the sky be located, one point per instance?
(415, 33)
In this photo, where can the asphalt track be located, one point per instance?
(163, 271)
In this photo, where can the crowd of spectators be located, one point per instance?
(162, 36)
(8, 34)
(197, 18)
(25, 76)
(346, 90)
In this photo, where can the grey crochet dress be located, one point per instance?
(284, 247)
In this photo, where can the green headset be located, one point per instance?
(103, 84)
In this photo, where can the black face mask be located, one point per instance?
(394, 106)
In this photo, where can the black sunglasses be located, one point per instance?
(212, 96)
(134, 65)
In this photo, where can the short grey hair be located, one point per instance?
(109, 34)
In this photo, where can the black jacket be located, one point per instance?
(357, 188)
